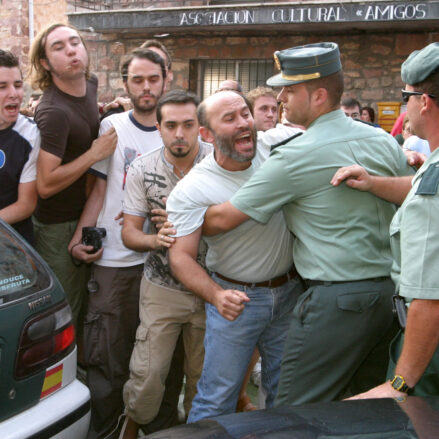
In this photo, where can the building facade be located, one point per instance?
(215, 40)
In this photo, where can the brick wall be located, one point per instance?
(371, 62)
(14, 29)
(14, 26)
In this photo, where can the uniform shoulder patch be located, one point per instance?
(429, 181)
(288, 139)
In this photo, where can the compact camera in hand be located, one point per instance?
(93, 236)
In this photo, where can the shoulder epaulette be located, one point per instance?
(285, 141)
(429, 181)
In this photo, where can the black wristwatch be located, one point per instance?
(398, 383)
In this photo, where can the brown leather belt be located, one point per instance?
(272, 283)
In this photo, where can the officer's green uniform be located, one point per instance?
(415, 246)
(415, 229)
(342, 324)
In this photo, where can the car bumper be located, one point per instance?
(64, 415)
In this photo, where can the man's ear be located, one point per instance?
(206, 134)
(427, 104)
(320, 95)
(157, 125)
(45, 64)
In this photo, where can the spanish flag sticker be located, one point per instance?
(52, 381)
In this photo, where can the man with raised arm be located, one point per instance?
(342, 324)
(414, 365)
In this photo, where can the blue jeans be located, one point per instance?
(229, 346)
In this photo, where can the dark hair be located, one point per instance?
(178, 97)
(202, 115)
(333, 84)
(142, 54)
(371, 112)
(157, 44)
(350, 103)
(40, 77)
(430, 86)
(8, 59)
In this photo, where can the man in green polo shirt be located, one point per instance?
(342, 324)
(415, 238)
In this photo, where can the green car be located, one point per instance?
(40, 396)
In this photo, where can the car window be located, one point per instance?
(21, 273)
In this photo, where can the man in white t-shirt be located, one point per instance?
(253, 287)
(112, 314)
(19, 146)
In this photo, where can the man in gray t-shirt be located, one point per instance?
(253, 287)
(166, 308)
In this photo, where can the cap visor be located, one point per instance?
(278, 81)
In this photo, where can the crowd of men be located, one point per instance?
(226, 235)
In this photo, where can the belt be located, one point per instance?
(312, 283)
(272, 283)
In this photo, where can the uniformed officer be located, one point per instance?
(342, 324)
(415, 238)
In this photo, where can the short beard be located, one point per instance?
(226, 145)
(141, 109)
(177, 153)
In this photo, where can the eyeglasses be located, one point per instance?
(406, 95)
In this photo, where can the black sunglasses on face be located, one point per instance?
(406, 95)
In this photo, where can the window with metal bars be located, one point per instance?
(250, 73)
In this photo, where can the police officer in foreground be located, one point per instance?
(342, 324)
(415, 238)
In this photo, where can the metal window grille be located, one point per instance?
(250, 73)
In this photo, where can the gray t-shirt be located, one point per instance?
(253, 252)
(150, 178)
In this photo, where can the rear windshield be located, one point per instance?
(21, 274)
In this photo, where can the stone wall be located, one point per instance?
(14, 26)
(14, 30)
(371, 62)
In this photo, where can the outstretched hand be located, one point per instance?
(384, 390)
(354, 176)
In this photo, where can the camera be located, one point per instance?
(93, 236)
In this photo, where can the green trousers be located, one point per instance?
(51, 241)
(338, 341)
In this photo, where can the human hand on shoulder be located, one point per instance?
(230, 303)
(104, 145)
(415, 158)
(355, 176)
(120, 101)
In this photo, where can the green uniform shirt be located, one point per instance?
(415, 238)
(342, 233)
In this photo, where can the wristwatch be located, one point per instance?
(398, 383)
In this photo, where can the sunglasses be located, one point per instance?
(406, 95)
